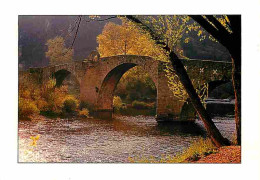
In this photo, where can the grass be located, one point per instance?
(194, 152)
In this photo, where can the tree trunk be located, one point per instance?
(236, 80)
(233, 43)
(212, 130)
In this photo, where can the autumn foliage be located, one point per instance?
(126, 39)
(57, 52)
(35, 97)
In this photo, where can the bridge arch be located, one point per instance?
(101, 80)
(60, 75)
(109, 84)
(91, 75)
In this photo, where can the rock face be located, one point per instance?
(98, 80)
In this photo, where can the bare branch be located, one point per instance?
(149, 30)
(76, 32)
(218, 25)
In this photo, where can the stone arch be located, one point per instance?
(62, 74)
(97, 72)
(104, 104)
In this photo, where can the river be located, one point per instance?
(108, 141)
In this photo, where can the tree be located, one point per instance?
(228, 33)
(57, 52)
(129, 39)
(159, 34)
(125, 39)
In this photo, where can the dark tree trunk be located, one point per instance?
(234, 47)
(236, 80)
(212, 130)
(233, 44)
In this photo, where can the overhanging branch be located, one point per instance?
(210, 29)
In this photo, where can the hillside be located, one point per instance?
(34, 31)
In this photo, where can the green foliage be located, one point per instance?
(70, 104)
(57, 52)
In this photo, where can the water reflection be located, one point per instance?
(95, 140)
(186, 129)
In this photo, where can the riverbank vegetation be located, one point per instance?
(201, 151)
(46, 99)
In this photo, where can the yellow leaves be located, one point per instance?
(27, 107)
(226, 18)
(202, 92)
(198, 148)
(199, 32)
(128, 39)
(34, 140)
(123, 39)
(186, 40)
(84, 112)
(117, 102)
(175, 85)
(35, 97)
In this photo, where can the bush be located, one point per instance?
(70, 104)
(84, 112)
(27, 108)
(140, 105)
(85, 105)
(117, 103)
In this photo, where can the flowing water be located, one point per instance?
(95, 140)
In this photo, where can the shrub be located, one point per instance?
(140, 105)
(70, 104)
(117, 103)
(85, 105)
(27, 108)
(84, 112)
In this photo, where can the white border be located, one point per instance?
(250, 166)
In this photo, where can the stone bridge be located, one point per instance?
(99, 77)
